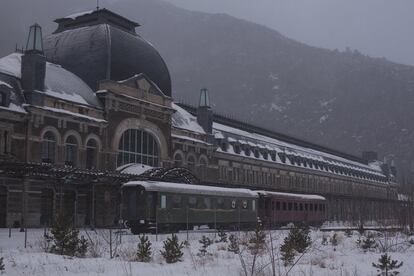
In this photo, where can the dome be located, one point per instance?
(100, 44)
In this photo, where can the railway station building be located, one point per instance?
(90, 106)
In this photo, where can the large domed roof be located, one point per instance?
(100, 44)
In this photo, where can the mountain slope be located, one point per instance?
(344, 100)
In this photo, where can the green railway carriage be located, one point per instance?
(151, 205)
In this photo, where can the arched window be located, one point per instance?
(48, 150)
(137, 146)
(71, 151)
(2, 99)
(203, 168)
(91, 154)
(178, 160)
(191, 163)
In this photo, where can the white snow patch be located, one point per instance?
(323, 118)
(78, 14)
(184, 120)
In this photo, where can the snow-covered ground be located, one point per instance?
(344, 259)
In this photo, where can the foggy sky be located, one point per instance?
(379, 28)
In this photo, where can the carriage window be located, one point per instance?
(207, 203)
(192, 202)
(253, 205)
(320, 207)
(295, 206)
(176, 201)
(306, 206)
(220, 203)
(316, 207)
(284, 206)
(277, 205)
(290, 206)
(310, 207)
(163, 201)
(244, 204)
(273, 205)
(300, 206)
(233, 204)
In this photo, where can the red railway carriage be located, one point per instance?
(278, 209)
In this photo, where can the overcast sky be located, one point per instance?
(379, 28)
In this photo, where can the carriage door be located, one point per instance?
(3, 207)
(46, 208)
(141, 203)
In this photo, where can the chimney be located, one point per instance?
(204, 112)
(33, 68)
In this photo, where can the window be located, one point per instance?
(91, 152)
(178, 160)
(284, 206)
(191, 163)
(220, 203)
(48, 147)
(253, 205)
(300, 206)
(236, 148)
(71, 151)
(139, 147)
(256, 153)
(310, 207)
(203, 168)
(295, 205)
(290, 206)
(247, 151)
(2, 99)
(306, 206)
(192, 202)
(176, 201)
(207, 203)
(163, 201)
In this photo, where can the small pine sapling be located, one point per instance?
(2, 266)
(348, 232)
(205, 243)
(144, 249)
(83, 245)
(334, 240)
(65, 236)
(386, 266)
(367, 243)
(257, 240)
(173, 250)
(233, 245)
(324, 240)
(287, 251)
(300, 238)
(222, 235)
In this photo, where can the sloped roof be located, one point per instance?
(59, 82)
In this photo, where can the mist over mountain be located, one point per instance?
(345, 100)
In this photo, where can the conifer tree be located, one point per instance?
(334, 240)
(205, 243)
(2, 267)
(386, 266)
(144, 249)
(287, 252)
(173, 250)
(222, 235)
(257, 240)
(234, 244)
(65, 236)
(82, 247)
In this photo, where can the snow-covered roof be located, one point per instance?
(189, 139)
(133, 168)
(78, 14)
(170, 187)
(59, 82)
(262, 141)
(289, 195)
(70, 113)
(184, 120)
